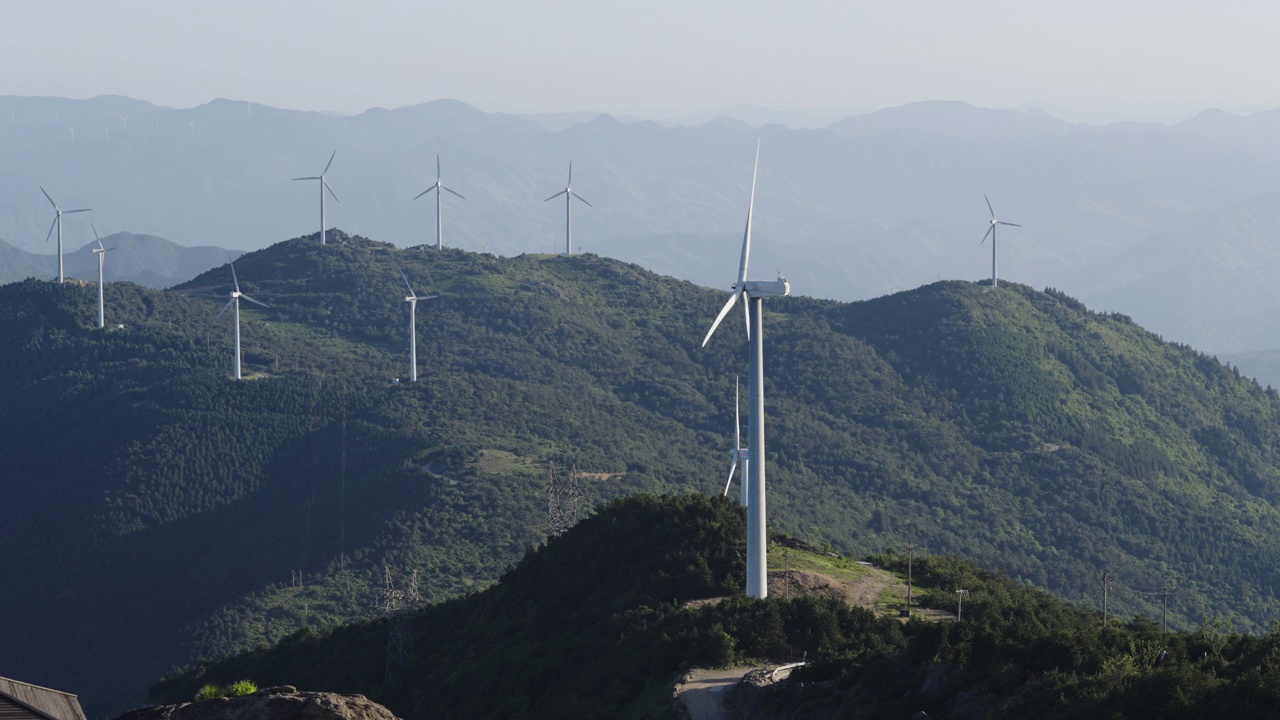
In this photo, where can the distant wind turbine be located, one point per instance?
(991, 230)
(569, 195)
(235, 300)
(324, 185)
(739, 453)
(101, 252)
(438, 187)
(412, 298)
(752, 293)
(57, 222)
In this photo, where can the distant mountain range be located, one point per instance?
(143, 259)
(1173, 225)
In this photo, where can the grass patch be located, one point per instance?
(840, 568)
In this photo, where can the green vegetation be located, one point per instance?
(159, 514)
(594, 625)
(209, 691)
(241, 687)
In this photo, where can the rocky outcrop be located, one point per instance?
(277, 703)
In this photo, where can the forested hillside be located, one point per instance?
(159, 512)
(597, 624)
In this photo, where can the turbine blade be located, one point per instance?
(746, 314)
(406, 284)
(453, 192)
(64, 212)
(226, 307)
(732, 466)
(326, 187)
(429, 297)
(46, 197)
(723, 311)
(553, 197)
(424, 192)
(990, 229)
(326, 166)
(570, 173)
(255, 302)
(989, 208)
(235, 279)
(1001, 222)
(313, 177)
(746, 235)
(95, 234)
(51, 226)
(437, 167)
(580, 198)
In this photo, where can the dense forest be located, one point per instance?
(161, 514)
(596, 624)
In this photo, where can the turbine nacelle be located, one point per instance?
(767, 288)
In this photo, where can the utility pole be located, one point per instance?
(1106, 577)
(1164, 612)
(911, 547)
(960, 604)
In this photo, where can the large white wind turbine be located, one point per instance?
(738, 453)
(235, 300)
(324, 185)
(752, 293)
(57, 222)
(101, 252)
(438, 187)
(992, 232)
(569, 195)
(412, 298)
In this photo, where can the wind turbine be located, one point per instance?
(739, 452)
(101, 252)
(57, 221)
(324, 185)
(235, 300)
(438, 187)
(992, 232)
(569, 195)
(412, 298)
(752, 293)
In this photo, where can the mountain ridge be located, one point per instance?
(1010, 425)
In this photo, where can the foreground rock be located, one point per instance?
(277, 703)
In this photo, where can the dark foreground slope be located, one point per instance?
(592, 625)
(159, 512)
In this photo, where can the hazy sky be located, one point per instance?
(1140, 58)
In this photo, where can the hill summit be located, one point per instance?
(1012, 426)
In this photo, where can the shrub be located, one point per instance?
(208, 692)
(241, 687)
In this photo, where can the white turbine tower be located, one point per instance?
(438, 187)
(101, 252)
(569, 195)
(324, 185)
(57, 221)
(412, 298)
(235, 300)
(991, 231)
(738, 453)
(752, 293)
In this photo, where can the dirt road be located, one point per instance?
(703, 691)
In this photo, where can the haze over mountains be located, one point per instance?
(1175, 226)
